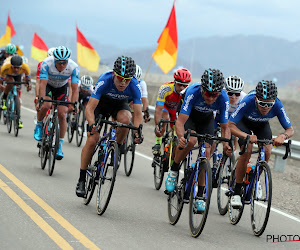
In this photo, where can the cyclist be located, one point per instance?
(201, 100)
(9, 50)
(110, 98)
(38, 72)
(55, 72)
(252, 117)
(13, 71)
(85, 88)
(234, 86)
(167, 101)
(138, 75)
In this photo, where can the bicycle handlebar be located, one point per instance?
(56, 102)
(206, 137)
(17, 83)
(162, 121)
(268, 142)
(119, 124)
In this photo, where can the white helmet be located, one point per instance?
(234, 83)
(138, 72)
(86, 81)
(50, 52)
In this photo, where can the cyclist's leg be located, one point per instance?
(158, 139)
(8, 88)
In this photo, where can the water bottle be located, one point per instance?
(249, 172)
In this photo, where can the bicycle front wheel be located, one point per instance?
(107, 178)
(16, 115)
(44, 150)
(158, 171)
(53, 145)
(234, 214)
(70, 128)
(9, 115)
(129, 153)
(197, 219)
(90, 183)
(80, 126)
(223, 183)
(261, 198)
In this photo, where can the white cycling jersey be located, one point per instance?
(232, 107)
(144, 89)
(58, 79)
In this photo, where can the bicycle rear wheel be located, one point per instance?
(53, 145)
(175, 200)
(107, 178)
(129, 153)
(80, 120)
(44, 150)
(197, 220)
(9, 115)
(234, 214)
(223, 184)
(16, 115)
(261, 199)
(70, 128)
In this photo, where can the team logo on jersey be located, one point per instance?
(243, 104)
(99, 84)
(163, 90)
(188, 99)
(285, 115)
(44, 66)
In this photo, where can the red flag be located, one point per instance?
(39, 49)
(166, 51)
(10, 32)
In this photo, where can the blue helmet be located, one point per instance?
(266, 90)
(62, 53)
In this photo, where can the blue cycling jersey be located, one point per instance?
(194, 100)
(248, 109)
(105, 87)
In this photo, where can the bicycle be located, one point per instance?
(103, 171)
(50, 137)
(129, 148)
(221, 170)
(12, 113)
(162, 162)
(186, 190)
(76, 123)
(258, 192)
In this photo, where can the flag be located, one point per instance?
(86, 55)
(10, 32)
(166, 51)
(38, 48)
(19, 51)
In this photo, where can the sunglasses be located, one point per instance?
(16, 67)
(265, 104)
(233, 93)
(61, 62)
(123, 79)
(182, 84)
(209, 94)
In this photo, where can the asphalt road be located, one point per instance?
(43, 212)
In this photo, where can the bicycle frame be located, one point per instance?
(11, 101)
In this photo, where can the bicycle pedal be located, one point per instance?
(167, 192)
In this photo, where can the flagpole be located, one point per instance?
(148, 68)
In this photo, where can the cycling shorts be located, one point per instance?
(84, 98)
(110, 107)
(172, 113)
(261, 129)
(202, 123)
(58, 93)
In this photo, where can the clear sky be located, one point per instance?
(138, 23)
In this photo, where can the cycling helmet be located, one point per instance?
(138, 72)
(50, 52)
(25, 59)
(266, 90)
(234, 83)
(213, 80)
(125, 66)
(11, 48)
(86, 81)
(16, 61)
(61, 53)
(182, 75)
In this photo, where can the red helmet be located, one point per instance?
(182, 76)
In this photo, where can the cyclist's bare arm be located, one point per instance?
(158, 113)
(37, 87)
(179, 125)
(145, 103)
(288, 133)
(225, 132)
(42, 88)
(89, 111)
(75, 92)
(137, 114)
